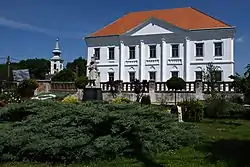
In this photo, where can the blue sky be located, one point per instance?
(28, 28)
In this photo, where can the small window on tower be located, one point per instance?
(54, 66)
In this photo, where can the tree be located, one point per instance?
(139, 88)
(81, 82)
(211, 77)
(79, 66)
(242, 83)
(64, 76)
(38, 68)
(176, 83)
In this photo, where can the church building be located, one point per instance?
(56, 62)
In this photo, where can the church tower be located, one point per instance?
(56, 62)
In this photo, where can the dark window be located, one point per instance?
(198, 75)
(111, 76)
(218, 76)
(175, 73)
(175, 50)
(132, 52)
(152, 76)
(218, 49)
(199, 49)
(97, 53)
(54, 66)
(152, 51)
(132, 76)
(111, 53)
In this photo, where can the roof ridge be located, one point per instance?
(159, 9)
(210, 16)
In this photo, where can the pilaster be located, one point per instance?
(187, 59)
(121, 62)
(163, 60)
(142, 61)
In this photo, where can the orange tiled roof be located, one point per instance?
(185, 18)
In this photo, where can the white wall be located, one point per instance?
(186, 64)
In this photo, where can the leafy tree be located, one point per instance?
(176, 83)
(139, 88)
(242, 83)
(64, 76)
(81, 82)
(38, 68)
(211, 77)
(114, 87)
(79, 66)
(4, 70)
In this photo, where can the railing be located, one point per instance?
(124, 87)
(157, 87)
(162, 87)
(63, 87)
(219, 86)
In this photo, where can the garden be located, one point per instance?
(59, 130)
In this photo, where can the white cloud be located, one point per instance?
(27, 27)
(240, 39)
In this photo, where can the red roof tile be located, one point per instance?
(185, 18)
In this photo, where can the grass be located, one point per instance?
(226, 143)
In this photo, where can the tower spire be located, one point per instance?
(57, 50)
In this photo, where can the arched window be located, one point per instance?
(174, 72)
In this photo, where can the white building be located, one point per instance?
(56, 62)
(159, 44)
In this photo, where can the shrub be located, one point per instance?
(81, 82)
(236, 110)
(216, 107)
(236, 99)
(17, 111)
(27, 87)
(120, 100)
(58, 132)
(146, 100)
(70, 100)
(10, 97)
(192, 110)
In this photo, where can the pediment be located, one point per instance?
(154, 26)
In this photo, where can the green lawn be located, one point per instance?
(226, 143)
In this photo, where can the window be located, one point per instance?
(132, 52)
(111, 53)
(198, 75)
(132, 76)
(152, 51)
(54, 66)
(175, 50)
(111, 76)
(218, 49)
(97, 53)
(199, 49)
(175, 73)
(152, 76)
(218, 76)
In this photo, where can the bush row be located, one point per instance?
(59, 132)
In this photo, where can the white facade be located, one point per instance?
(175, 51)
(56, 62)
